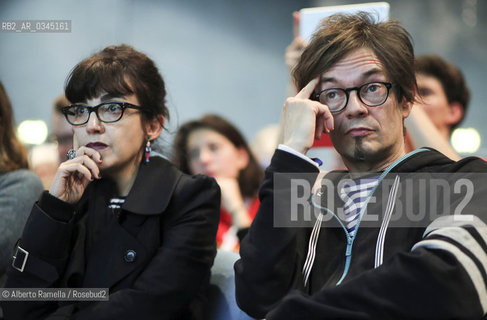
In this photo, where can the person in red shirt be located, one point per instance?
(441, 104)
(214, 147)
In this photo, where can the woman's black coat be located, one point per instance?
(155, 256)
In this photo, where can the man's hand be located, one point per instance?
(304, 119)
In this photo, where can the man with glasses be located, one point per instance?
(381, 240)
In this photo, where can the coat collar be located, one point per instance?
(153, 187)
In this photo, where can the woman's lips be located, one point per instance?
(359, 132)
(97, 145)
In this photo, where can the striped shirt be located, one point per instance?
(354, 194)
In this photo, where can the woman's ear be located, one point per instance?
(153, 127)
(243, 158)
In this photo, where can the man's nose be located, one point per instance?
(355, 107)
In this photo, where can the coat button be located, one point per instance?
(129, 256)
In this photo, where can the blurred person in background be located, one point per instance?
(213, 146)
(19, 187)
(441, 105)
(62, 131)
(44, 159)
(265, 143)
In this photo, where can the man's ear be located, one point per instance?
(154, 127)
(406, 108)
(455, 113)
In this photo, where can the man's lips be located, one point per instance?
(359, 132)
(97, 145)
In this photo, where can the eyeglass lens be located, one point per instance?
(107, 112)
(371, 94)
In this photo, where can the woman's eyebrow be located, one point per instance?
(110, 96)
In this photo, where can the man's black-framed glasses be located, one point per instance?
(371, 94)
(108, 112)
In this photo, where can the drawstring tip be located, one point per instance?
(318, 161)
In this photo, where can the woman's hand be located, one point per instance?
(232, 201)
(73, 175)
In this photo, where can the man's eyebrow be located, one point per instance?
(372, 72)
(327, 79)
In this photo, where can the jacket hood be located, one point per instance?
(425, 159)
(431, 160)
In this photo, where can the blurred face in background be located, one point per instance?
(433, 100)
(212, 154)
(63, 134)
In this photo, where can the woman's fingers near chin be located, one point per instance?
(90, 152)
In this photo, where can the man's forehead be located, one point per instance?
(357, 58)
(326, 77)
(358, 64)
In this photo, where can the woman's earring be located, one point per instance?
(147, 150)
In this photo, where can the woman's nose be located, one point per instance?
(205, 156)
(94, 124)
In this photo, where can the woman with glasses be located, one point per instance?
(115, 217)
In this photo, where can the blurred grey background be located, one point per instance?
(222, 56)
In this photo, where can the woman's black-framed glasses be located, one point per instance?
(372, 94)
(108, 112)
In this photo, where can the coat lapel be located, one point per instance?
(153, 187)
(107, 263)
